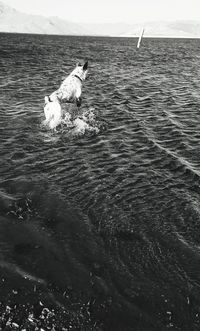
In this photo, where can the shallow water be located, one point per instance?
(103, 227)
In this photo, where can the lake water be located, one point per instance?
(101, 230)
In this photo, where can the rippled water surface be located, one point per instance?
(101, 229)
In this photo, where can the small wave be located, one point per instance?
(17, 270)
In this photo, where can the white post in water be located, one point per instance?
(140, 38)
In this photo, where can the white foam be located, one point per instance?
(83, 123)
(80, 125)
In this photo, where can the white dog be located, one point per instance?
(53, 113)
(70, 89)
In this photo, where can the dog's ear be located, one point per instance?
(78, 64)
(85, 66)
(46, 99)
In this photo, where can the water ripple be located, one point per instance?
(113, 214)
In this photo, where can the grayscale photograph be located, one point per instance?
(99, 165)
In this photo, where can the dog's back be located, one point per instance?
(70, 89)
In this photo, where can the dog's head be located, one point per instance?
(81, 70)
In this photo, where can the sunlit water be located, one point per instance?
(102, 225)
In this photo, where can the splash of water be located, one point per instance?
(79, 125)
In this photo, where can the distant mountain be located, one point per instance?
(152, 29)
(12, 20)
(179, 29)
(108, 29)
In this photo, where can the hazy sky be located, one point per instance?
(100, 11)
